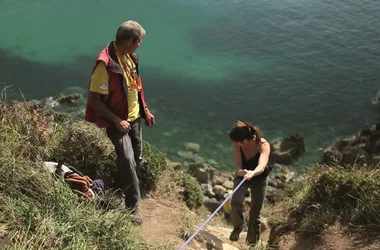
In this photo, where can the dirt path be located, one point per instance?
(162, 224)
(333, 238)
(161, 221)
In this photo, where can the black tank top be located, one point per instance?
(252, 163)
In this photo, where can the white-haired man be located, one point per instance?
(116, 102)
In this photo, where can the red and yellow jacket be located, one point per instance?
(116, 99)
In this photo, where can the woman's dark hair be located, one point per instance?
(245, 130)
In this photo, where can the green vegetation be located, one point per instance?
(38, 212)
(192, 193)
(188, 225)
(349, 196)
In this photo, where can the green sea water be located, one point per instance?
(294, 65)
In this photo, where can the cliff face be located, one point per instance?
(40, 212)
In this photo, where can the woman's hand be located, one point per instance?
(250, 174)
(241, 172)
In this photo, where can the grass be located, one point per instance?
(192, 191)
(347, 195)
(38, 212)
(189, 224)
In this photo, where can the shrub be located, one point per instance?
(153, 167)
(350, 196)
(192, 191)
(87, 148)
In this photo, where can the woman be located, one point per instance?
(251, 153)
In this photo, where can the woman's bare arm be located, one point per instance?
(264, 158)
(237, 157)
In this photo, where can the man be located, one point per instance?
(116, 102)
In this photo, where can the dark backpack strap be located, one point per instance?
(60, 161)
(75, 170)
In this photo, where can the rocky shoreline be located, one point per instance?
(360, 149)
(217, 185)
(363, 149)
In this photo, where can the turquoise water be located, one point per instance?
(295, 65)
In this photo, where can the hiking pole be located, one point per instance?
(212, 215)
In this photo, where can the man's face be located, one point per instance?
(131, 46)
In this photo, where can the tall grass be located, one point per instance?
(347, 195)
(41, 213)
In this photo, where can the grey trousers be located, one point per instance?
(258, 188)
(128, 148)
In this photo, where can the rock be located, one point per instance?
(199, 159)
(49, 102)
(353, 155)
(375, 147)
(227, 246)
(67, 99)
(289, 176)
(287, 150)
(295, 144)
(332, 156)
(217, 186)
(343, 143)
(374, 129)
(228, 176)
(281, 185)
(356, 150)
(207, 190)
(228, 184)
(175, 165)
(284, 176)
(276, 145)
(212, 162)
(202, 176)
(274, 194)
(213, 242)
(211, 204)
(192, 147)
(218, 180)
(186, 155)
(210, 240)
(272, 182)
(204, 173)
(282, 157)
(53, 102)
(219, 190)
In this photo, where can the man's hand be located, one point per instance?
(123, 126)
(150, 120)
